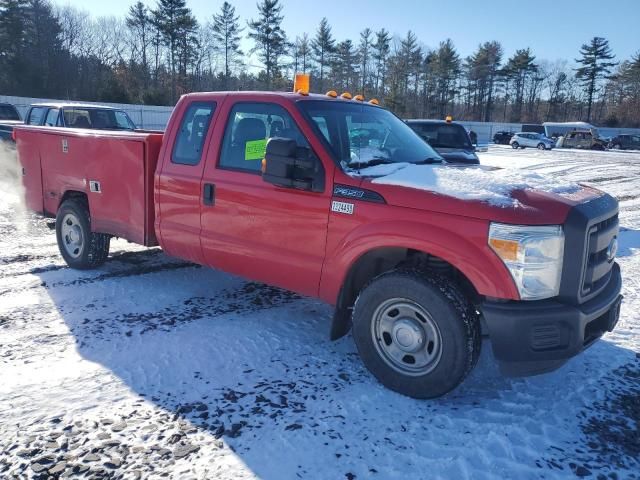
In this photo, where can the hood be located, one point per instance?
(504, 195)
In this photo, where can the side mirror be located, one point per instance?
(288, 165)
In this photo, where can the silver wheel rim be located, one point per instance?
(541, 147)
(406, 337)
(72, 237)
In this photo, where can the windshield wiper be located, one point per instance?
(370, 163)
(428, 160)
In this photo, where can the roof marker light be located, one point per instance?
(359, 98)
(374, 101)
(301, 83)
(346, 95)
(448, 119)
(332, 94)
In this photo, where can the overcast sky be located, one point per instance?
(553, 29)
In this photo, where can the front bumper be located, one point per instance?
(529, 338)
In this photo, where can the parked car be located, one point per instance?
(71, 115)
(502, 138)
(625, 142)
(450, 139)
(269, 186)
(9, 117)
(584, 139)
(531, 140)
(76, 115)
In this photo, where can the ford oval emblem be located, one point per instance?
(612, 249)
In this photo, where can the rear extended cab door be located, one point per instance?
(177, 183)
(252, 228)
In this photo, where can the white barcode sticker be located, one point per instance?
(342, 207)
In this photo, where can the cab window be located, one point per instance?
(76, 118)
(52, 118)
(249, 127)
(187, 149)
(36, 116)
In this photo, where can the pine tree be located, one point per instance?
(447, 67)
(177, 25)
(596, 65)
(519, 68)
(323, 46)
(139, 22)
(381, 50)
(226, 33)
(270, 39)
(303, 50)
(364, 52)
(13, 41)
(344, 66)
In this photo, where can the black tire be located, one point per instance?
(515, 145)
(541, 146)
(442, 304)
(81, 248)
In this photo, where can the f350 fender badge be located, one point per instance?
(342, 207)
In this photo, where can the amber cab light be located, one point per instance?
(301, 83)
(359, 98)
(332, 94)
(374, 101)
(346, 95)
(449, 119)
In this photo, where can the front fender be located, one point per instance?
(462, 243)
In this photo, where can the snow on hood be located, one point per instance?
(468, 183)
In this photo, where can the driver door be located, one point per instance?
(252, 228)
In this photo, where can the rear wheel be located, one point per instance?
(541, 146)
(418, 335)
(81, 248)
(515, 145)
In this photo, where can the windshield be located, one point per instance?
(7, 112)
(97, 119)
(363, 135)
(443, 135)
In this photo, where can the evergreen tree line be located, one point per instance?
(153, 55)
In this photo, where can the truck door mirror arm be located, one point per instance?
(288, 165)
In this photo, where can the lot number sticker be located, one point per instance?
(342, 207)
(255, 149)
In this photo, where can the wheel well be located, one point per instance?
(73, 194)
(381, 260)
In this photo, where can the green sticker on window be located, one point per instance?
(255, 149)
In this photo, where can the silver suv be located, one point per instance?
(530, 139)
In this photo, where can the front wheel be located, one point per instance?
(417, 334)
(81, 248)
(541, 146)
(515, 145)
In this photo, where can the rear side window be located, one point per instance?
(36, 116)
(52, 118)
(77, 118)
(187, 149)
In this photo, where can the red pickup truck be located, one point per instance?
(339, 199)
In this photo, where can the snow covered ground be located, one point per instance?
(151, 367)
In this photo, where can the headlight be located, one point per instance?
(533, 255)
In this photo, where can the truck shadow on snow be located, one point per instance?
(251, 367)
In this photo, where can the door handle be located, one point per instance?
(209, 194)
